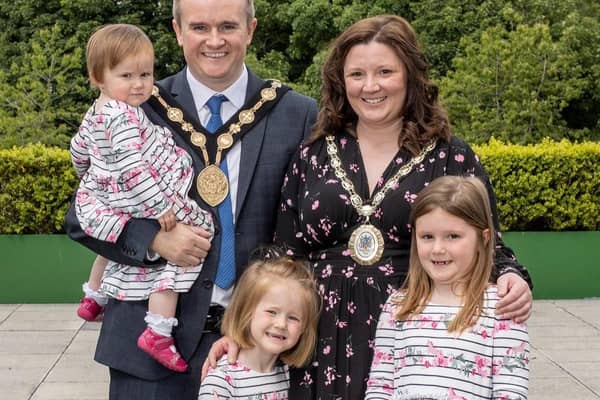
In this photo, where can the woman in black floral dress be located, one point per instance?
(380, 137)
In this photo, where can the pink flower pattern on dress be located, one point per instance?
(352, 294)
(126, 152)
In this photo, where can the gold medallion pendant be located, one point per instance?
(366, 244)
(212, 185)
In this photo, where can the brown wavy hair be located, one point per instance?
(424, 118)
(466, 198)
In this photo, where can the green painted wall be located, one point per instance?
(42, 269)
(563, 265)
(51, 268)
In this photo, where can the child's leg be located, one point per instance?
(92, 286)
(96, 273)
(156, 340)
(161, 311)
(93, 303)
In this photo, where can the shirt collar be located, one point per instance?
(236, 93)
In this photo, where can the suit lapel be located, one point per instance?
(251, 146)
(181, 91)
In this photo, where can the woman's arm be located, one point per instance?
(505, 260)
(514, 282)
(288, 230)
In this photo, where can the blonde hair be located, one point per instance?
(466, 198)
(258, 277)
(111, 44)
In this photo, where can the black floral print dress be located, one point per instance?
(316, 220)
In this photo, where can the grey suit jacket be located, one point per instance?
(266, 152)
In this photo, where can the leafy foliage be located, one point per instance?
(547, 186)
(36, 184)
(44, 90)
(512, 85)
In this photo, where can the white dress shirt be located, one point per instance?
(236, 96)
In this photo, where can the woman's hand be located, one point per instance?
(516, 299)
(225, 345)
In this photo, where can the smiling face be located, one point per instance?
(214, 35)
(446, 245)
(375, 80)
(278, 319)
(130, 80)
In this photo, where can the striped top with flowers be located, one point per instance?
(419, 359)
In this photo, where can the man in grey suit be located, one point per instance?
(214, 35)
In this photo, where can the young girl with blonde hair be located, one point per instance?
(273, 318)
(438, 336)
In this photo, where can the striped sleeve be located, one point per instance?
(138, 177)
(129, 182)
(510, 361)
(381, 377)
(215, 386)
(79, 153)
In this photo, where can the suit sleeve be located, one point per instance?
(462, 160)
(130, 248)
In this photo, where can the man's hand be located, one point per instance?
(167, 221)
(225, 345)
(184, 245)
(516, 299)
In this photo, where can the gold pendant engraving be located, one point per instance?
(246, 117)
(225, 141)
(212, 185)
(198, 139)
(366, 244)
(268, 94)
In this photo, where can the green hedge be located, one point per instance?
(548, 186)
(551, 186)
(36, 184)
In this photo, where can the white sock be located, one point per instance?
(159, 324)
(95, 295)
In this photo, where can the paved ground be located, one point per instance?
(46, 352)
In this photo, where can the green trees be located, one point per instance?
(518, 70)
(512, 85)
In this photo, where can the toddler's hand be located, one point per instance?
(167, 221)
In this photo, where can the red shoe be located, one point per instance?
(89, 310)
(162, 349)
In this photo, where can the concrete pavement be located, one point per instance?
(46, 352)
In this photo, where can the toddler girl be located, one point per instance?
(130, 168)
(273, 318)
(438, 336)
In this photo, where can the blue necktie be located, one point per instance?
(226, 268)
